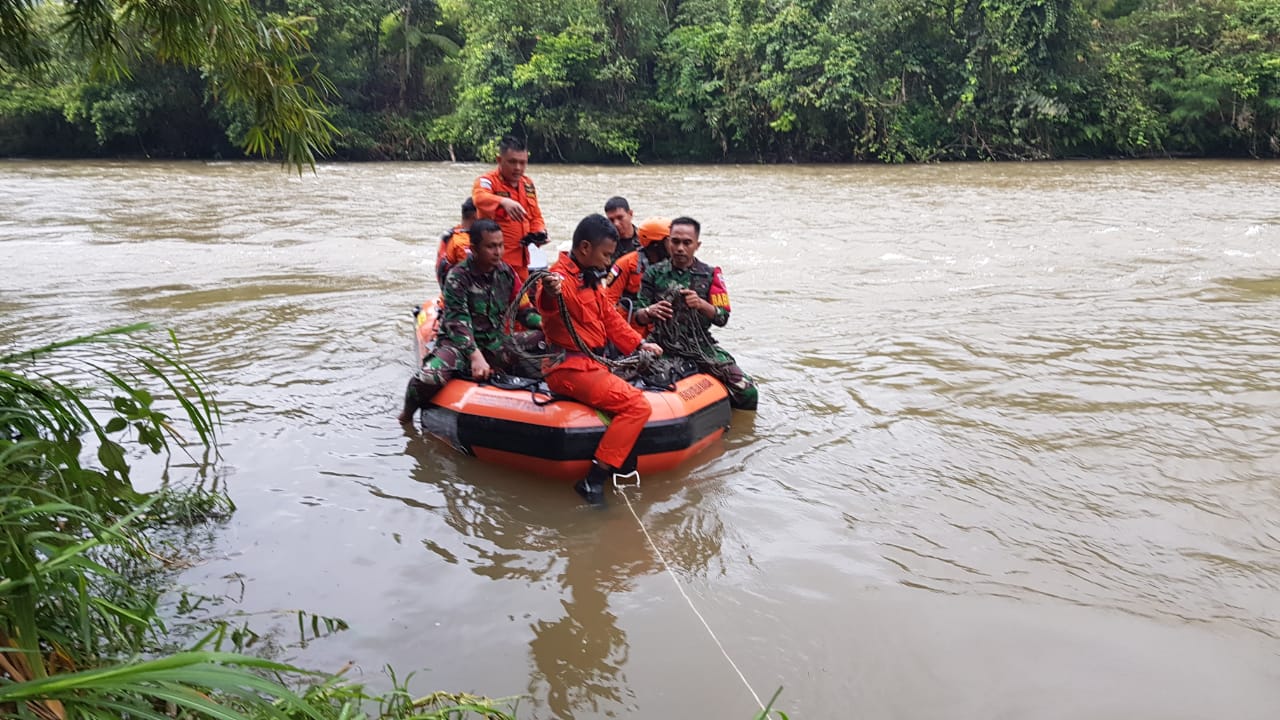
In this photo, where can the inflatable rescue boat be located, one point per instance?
(519, 423)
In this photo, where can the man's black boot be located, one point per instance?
(591, 487)
(628, 465)
(411, 402)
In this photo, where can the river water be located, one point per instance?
(1017, 452)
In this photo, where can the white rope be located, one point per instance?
(676, 580)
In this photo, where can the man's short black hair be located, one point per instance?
(684, 220)
(468, 208)
(479, 228)
(595, 229)
(617, 202)
(510, 142)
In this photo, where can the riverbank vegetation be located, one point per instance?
(84, 565)
(681, 80)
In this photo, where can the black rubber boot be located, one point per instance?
(411, 403)
(591, 487)
(628, 465)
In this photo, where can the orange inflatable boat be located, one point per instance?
(523, 426)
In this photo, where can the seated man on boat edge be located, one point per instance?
(576, 278)
(477, 292)
(455, 243)
(694, 285)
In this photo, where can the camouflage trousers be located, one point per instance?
(446, 362)
(720, 365)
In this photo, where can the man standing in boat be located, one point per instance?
(692, 284)
(508, 197)
(618, 210)
(477, 292)
(575, 279)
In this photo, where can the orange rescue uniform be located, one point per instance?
(453, 250)
(583, 379)
(488, 189)
(444, 242)
(624, 282)
(624, 278)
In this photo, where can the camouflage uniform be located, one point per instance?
(626, 245)
(474, 304)
(661, 280)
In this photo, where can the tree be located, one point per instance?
(402, 34)
(557, 72)
(251, 62)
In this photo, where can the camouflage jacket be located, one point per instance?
(626, 245)
(700, 277)
(474, 304)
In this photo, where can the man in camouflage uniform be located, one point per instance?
(696, 289)
(618, 210)
(477, 292)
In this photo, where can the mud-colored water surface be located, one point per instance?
(1017, 454)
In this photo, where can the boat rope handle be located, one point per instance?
(619, 489)
(633, 475)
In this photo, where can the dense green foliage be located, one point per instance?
(772, 80)
(80, 635)
(141, 71)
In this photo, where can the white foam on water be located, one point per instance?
(890, 257)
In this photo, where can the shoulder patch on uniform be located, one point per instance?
(719, 293)
(486, 183)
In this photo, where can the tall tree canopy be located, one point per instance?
(630, 80)
(252, 65)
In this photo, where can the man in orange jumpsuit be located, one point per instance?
(622, 284)
(455, 243)
(507, 196)
(576, 278)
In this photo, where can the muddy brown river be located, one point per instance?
(1017, 453)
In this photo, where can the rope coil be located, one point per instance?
(630, 366)
(685, 334)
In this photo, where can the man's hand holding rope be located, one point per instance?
(660, 311)
(692, 300)
(552, 282)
